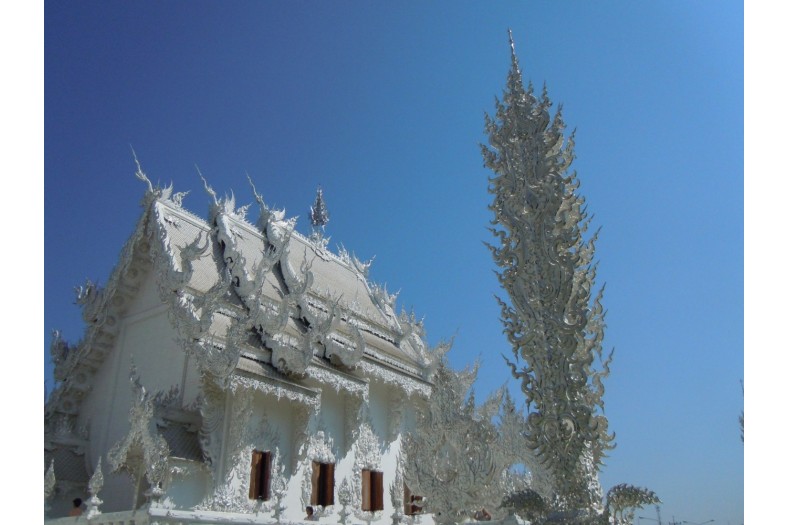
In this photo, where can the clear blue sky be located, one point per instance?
(382, 105)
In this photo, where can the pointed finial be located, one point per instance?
(139, 173)
(318, 213)
(257, 196)
(208, 189)
(515, 62)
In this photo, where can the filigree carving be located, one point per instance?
(361, 268)
(397, 494)
(94, 486)
(231, 493)
(142, 450)
(302, 417)
(354, 407)
(547, 270)
(346, 499)
(339, 382)
(212, 415)
(190, 253)
(278, 485)
(383, 299)
(172, 398)
(60, 352)
(453, 454)
(343, 350)
(409, 385)
(49, 485)
(267, 215)
(366, 448)
(289, 354)
(91, 299)
(318, 448)
(397, 407)
(278, 390)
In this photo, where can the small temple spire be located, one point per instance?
(318, 213)
(515, 63)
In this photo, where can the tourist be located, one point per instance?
(77, 510)
(310, 514)
(482, 515)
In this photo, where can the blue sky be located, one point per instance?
(382, 105)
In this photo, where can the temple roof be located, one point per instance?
(236, 289)
(335, 279)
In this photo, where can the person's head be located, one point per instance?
(309, 511)
(77, 502)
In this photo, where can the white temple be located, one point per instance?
(234, 372)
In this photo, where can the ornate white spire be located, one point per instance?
(318, 213)
(547, 269)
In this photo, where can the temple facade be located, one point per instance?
(234, 371)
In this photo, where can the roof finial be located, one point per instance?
(318, 213)
(515, 63)
(139, 173)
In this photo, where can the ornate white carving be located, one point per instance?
(278, 390)
(367, 455)
(211, 409)
(319, 448)
(186, 469)
(91, 299)
(278, 484)
(289, 354)
(361, 268)
(397, 407)
(453, 456)
(59, 351)
(353, 413)
(385, 301)
(339, 382)
(343, 350)
(397, 494)
(302, 417)
(49, 485)
(94, 486)
(547, 270)
(231, 492)
(346, 499)
(408, 385)
(142, 450)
